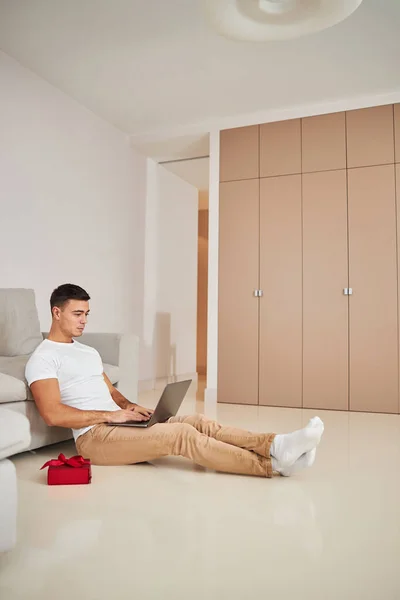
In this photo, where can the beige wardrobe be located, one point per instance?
(308, 262)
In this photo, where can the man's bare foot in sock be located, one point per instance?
(289, 447)
(304, 462)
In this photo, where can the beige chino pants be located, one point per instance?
(203, 441)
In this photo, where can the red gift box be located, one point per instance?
(68, 471)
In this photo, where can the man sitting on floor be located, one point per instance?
(71, 390)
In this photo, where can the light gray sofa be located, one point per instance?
(20, 335)
(21, 426)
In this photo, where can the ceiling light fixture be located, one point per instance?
(265, 20)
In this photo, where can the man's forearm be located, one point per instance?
(75, 418)
(120, 399)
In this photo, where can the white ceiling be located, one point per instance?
(194, 171)
(155, 70)
(169, 150)
(151, 65)
(164, 147)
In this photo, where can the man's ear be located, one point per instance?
(56, 312)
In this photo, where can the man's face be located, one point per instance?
(72, 318)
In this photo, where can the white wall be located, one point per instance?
(71, 201)
(170, 283)
(78, 204)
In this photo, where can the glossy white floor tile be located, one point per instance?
(172, 530)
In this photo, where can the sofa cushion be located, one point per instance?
(15, 367)
(11, 389)
(112, 373)
(41, 434)
(19, 322)
(14, 433)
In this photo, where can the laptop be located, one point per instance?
(167, 407)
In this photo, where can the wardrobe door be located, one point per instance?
(281, 282)
(239, 153)
(373, 278)
(238, 278)
(370, 136)
(323, 142)
(397, 134)
(280, 148)
(325, 276)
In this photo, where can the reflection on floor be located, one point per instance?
(173, 530)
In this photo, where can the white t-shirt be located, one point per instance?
(79, 370)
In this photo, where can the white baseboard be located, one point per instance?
(146, 385)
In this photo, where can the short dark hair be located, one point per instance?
(68, 291)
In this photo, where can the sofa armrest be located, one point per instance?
(121, 350)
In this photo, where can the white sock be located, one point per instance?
(288, 448)
(304, 462)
